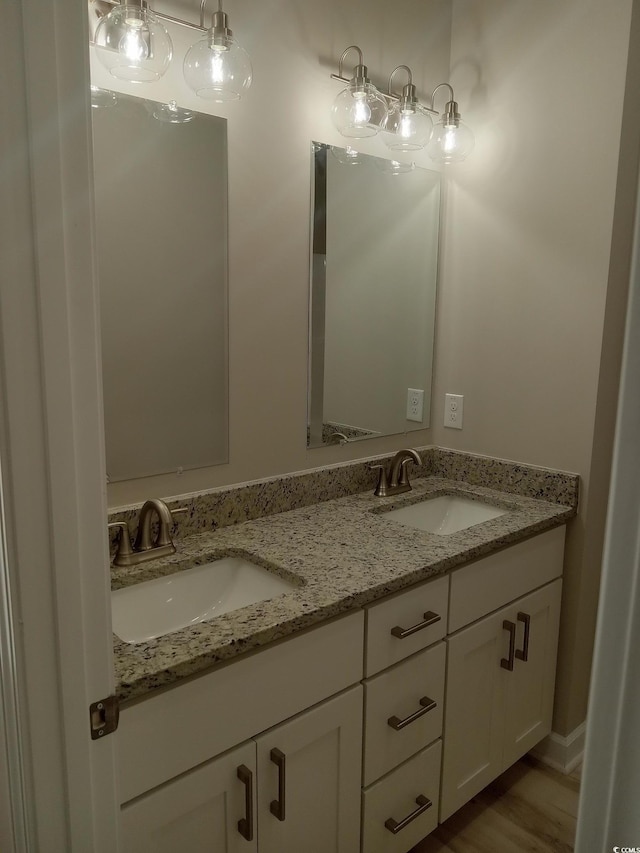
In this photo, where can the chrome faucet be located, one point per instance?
(143, 548)
(398, 480)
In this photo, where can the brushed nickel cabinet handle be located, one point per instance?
(278, 806)
(426, 706)
(430, 618)
(395, 826)
(507, 663)
(245, 824)
(523, 653)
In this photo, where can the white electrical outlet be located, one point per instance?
(453, 409)
(415, 404)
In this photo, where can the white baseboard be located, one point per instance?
(562, 753)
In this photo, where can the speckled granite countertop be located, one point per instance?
(344, 553)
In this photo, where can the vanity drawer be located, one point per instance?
(394, 799)
(488, 584)
(399, 626)
(411, 695)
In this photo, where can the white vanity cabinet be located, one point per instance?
(309, 780)
(209, 808)
(451, 681)
(295, 787)
(501, 673)
(294, 781)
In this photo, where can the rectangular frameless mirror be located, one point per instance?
(374, 265)
(161, 219)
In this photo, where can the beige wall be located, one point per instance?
(294, 47)
(525, 267)
(526, 262)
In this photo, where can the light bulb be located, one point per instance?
(450, 143)
(133, 44)
(217, 69)
(407, 128)
(359, 111)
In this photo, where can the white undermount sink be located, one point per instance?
(154, 608)
(445, 514)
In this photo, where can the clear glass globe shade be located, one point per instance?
(217, 72)
(359, 113)
(133, 44)
(407, 130)
(393, 167)
(450, 144)
(347, 156)
(170, 113)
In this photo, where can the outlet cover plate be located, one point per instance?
(453, 410)
(415, 405)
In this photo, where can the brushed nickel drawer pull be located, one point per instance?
(426, 706)
(430, 618)
(278, 806)
(395, 826)
(507, 663)
(245, 824)
(523, 653)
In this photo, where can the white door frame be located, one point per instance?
(609, 814)
(51, 427)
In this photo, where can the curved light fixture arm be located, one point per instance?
(409, 81)
(359, 70)
(450, 114)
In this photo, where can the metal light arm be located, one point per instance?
(359, 70)
(409, 96)
(143, 4)
(450, 114)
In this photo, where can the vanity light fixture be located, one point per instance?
(408, 125)
(359, 110)
(133, 44)
(451, 140)
(216, 67)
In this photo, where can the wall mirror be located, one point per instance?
(161, 221)
(374, 264)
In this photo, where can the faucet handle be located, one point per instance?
(383, 484)
(124, 542)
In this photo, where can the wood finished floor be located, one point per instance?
(529, 809)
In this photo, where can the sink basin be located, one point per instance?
(445, 514)
(153, 608)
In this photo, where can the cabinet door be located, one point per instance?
(496, 713)
(309, 771)
(530, 686)
(474, 711)
(208, 809)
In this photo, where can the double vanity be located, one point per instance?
(397, 655)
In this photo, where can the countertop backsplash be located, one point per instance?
(227, 505)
